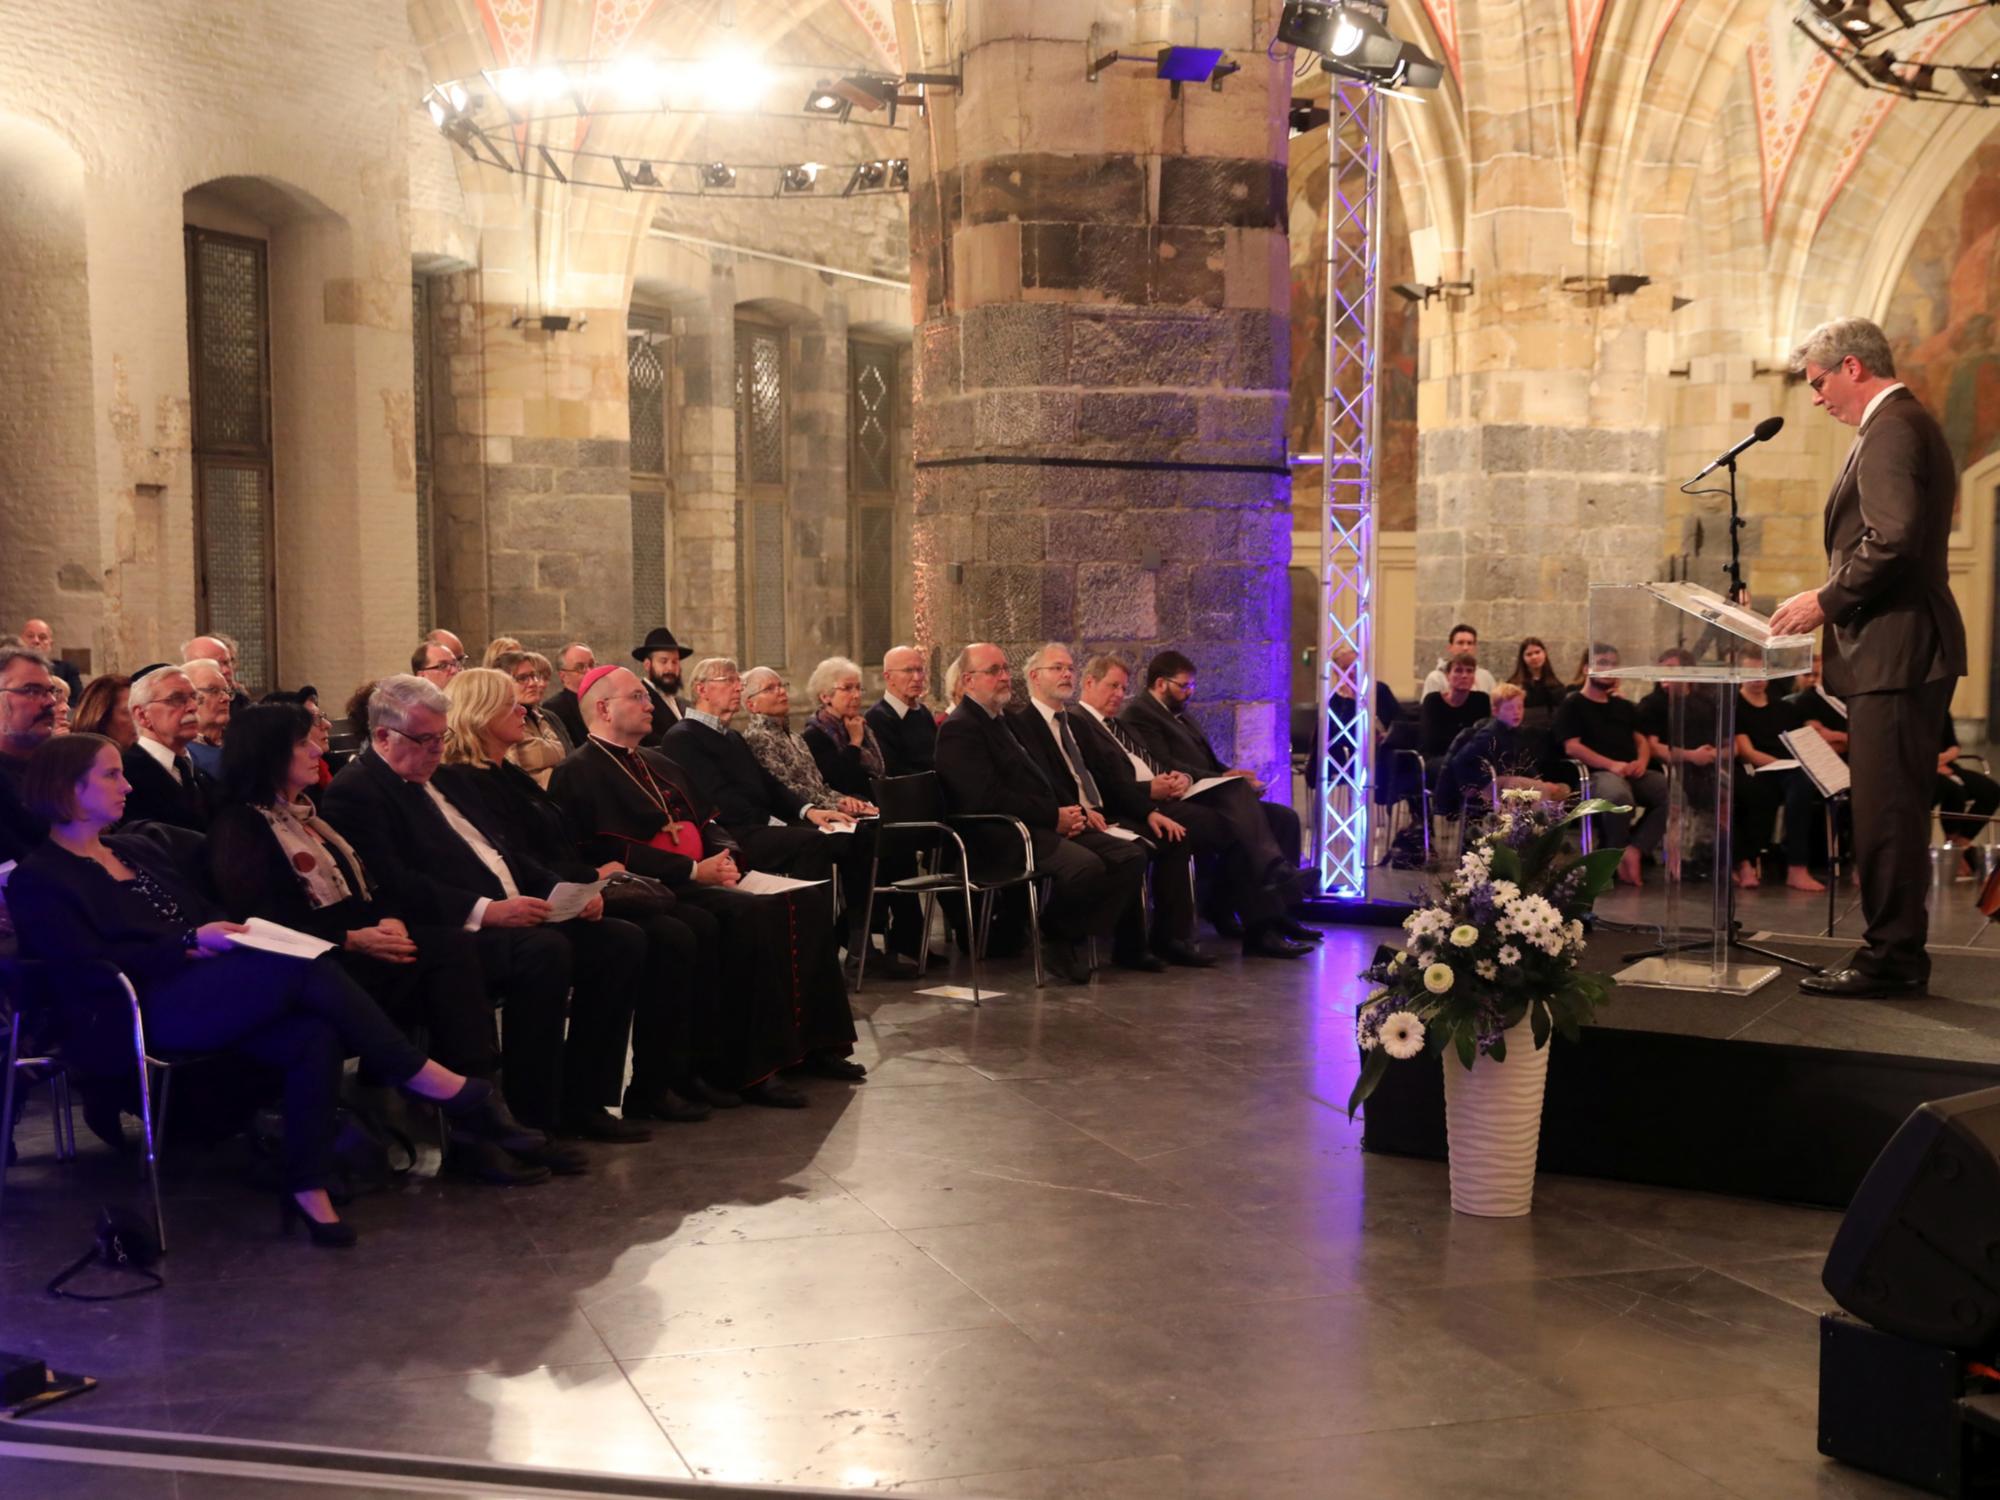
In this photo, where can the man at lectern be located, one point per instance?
(1895, 645)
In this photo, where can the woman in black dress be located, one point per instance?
(82, 895)
(1760, 721)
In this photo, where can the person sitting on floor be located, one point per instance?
(120, 898)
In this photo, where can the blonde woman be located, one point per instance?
(499, 646)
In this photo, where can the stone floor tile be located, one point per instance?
(1761, 1446)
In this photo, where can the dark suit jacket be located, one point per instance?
(667, 712)
(840, 764)
(532, 821)
(1028, 726)
(1891, 620)
(727, 777)
(65, 906)
(1126, 797)
(426, 871)
(158, 797)
(254, 879)
(566, 709)
(909, 743)
(68, 673)
(616, 820)
(20, 830)
(1174, 741)
(984, 770)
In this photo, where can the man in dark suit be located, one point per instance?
(1267, 831)
(27, 720)
(1895, 645)
(659, 657)
(984, 769)
(167, 787)
(1132, 780)
(442, 863)
(37, 636)
(902, 721)
(572, 665)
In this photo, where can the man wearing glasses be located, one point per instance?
(901, 720)
(436, 663)
(213, 700)
(27, 719)
(1894, 647)
(166, 786)
(573, 665)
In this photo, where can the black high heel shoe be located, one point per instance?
(477, 1112)
(339, 1235)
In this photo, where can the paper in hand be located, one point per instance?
(762, 883)
(273, 937)
(1207, 783)
(570, 897)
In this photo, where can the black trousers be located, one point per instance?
(680, 968)
(302, 1018)
(527, 975)
(1255, 840)
(444, 991)
(1892, 746)
(1095, 881)
(1757, 800)
(606, 959)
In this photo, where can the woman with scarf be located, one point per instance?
(271, 855)
(545, 743)
(842, 744)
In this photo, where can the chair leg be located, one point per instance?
(1035, 929)
(65, 1115)
(972, 932)
(148, 1139)
(7, 1099)
(867, 940)
(927, 903)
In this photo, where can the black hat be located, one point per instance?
(158, 666)
(659, 638)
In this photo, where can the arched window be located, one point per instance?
(762, 398)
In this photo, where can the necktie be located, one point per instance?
(1130, 745)
(1073, 753)
(184, 769)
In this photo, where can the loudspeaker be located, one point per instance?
(1918, 1254)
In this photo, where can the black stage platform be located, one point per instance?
(1776, 1095)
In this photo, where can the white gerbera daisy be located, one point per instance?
(1402, 1035)
(1437, 979)
(1486, 969)
(1464, 935)
(1510, 954)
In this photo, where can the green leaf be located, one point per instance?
(1373, 1066)
(1600, 868)
(1467, 1049)
(1498, 1051)
(1538, 1022)
(1506, 864)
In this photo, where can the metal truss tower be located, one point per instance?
(1344, 806)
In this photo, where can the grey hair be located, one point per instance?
(952, 676)
(188, 651)
(563, 655)
(202, 664)
(143, 688)
(389, 706)
(1099, 666)
(1041, 657)
(1830, 343)
(17, 652)
(826, 676)
(757, 679)
(711, 666)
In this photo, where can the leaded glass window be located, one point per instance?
(421, 389)
(762, 514)
(646, 394)
(760, 404)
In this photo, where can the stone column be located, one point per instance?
(1101, 361)
(819, 597)
(701, 584)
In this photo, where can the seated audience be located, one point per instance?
(456, 646)
(271, 855)
(105, 708)
(1443, 716)
(436, 663)
(1965, 800)
(38, 637)
(166, 786)
(439, 861)
(484, 725)
(780, 1001)
(1094, 878)
(954, 688)
(1464, 641)
(82, 894)
(1601, 729)
(213, 700)
(659, 657)
(768, 732)
(573, 663)
(1543, 691)
(499, 646)
(1826, 714)
(1340, 704)
(845, 749)
(1693, 749)
(1762, 787)
(1493, 756)
(545, 742)
(62, 725)
(903, 724)
(221, 650)
(27, 720)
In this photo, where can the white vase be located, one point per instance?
(1493, 1123)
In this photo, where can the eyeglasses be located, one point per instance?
(176, 700)
(41, 690)
(524, 678)
(1002, 670)
(1185, 684)
(421, 741)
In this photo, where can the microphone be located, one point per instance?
(1763, 432)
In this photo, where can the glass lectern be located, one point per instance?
(1698, 646)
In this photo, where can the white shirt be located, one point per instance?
(1049, 718)
(1139, 767)
(488, 855)
(161, 754)
(1877, 399)
(896, 705)
(1482, 682)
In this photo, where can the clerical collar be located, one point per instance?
(703, 716)
(612, 746)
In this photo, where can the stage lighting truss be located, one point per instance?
(1890, 46)
(1346, 742)
(499, 119)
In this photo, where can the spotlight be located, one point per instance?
(899, 175)
(644, 176)
(1307, 115)
(436, 107)
(635, 82)
(718, 176)
(866, 91)
(548, 84)
(1424, 293)
(798, 178)
(733, 81)
(824, 101)
(1854, 21)
(1985, 80)
(1353, 41)
(868, 178)
(457, 95)
(1411, 293)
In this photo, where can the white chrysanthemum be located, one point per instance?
(1505, 892)
(1486, 969)
(1509, 954)
(1464, 935)
(1402, 1035)
(1574, 932)
(1520, 794)
(1400, 959)
(1438, 978)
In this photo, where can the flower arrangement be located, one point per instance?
(1496, 944)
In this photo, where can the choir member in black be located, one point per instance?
(484, 725)
(903, 723)
(780, 1001)
(1693, 750)
(1601, 729)
(1493, 756)
(1760, 721)
(1965, 800)
(1443, 716)
(271, 855)
(1542, 693)
(81, 895)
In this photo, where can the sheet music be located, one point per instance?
(1827, 770)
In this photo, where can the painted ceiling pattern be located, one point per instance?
(1787, 76)
(876, 19)
(511, 26)
(1444, 21)
(613, 22)
(1583, 18)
